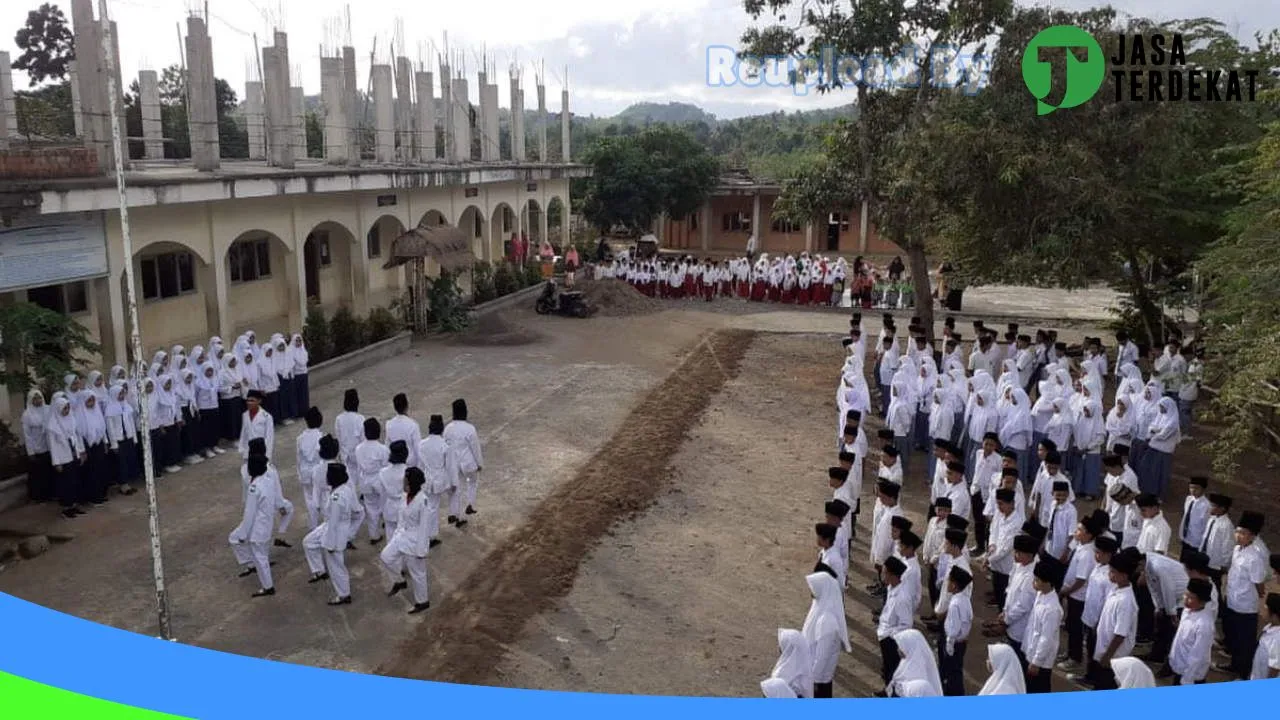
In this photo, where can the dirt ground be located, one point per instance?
(645, 515)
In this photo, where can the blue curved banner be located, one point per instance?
(43, 651)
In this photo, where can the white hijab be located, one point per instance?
(93, 427)
(1006, 672)
(1120, 425)
(917, 673)
(828, 604)
(1166, 418)
(795, 663)
(1018, 418)
(35, 416)
(1088, 428)
(775, 688)
(1132, 673)
(63, 427)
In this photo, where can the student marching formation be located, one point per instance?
(798, 281)
(85, 441)
(1056, 503)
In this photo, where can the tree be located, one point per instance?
(45, 112)
(638, 177)
(913, 34)
(40, 346)
(47, 45)
(315, 135)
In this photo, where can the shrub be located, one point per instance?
(13, 455)
(39, 346)
(532, 274)
(382, 324)
(506, 280)
(315, 333)
(348, 332)
(445, 300)
(482, 283)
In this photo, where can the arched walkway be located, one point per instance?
(432, 218)
(384, 285)
(533, 221)
(557, 224)
(326, 266)
(177, 297)
(262, 292)
(502, 227)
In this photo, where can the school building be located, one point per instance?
(741, 204)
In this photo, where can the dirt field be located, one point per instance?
(645, 516)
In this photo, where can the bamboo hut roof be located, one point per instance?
(445, 244)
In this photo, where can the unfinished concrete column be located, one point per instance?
(446, 112)
(298, 112)
(333, 100)
(461, 120)
(255, 120)
(384, 120)
(488, 120)
(8, 107)
(91, 80)
(482, 89)
(517, 120)
(76, 110)
(275, 79)
(352, 110)
(564, 125)
(404, 110)
(152, 130)
(202, 93)
(542, 122)
(424, 140)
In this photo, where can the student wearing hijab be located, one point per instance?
(1131, 674)
(122, 437)
(464, 443)
(231, 392)
(256, 423)
(249, 540)
(403, 427)
(189, 432)
(1006, 672)
(407, 549)
(326, 546)
(96, 473)
(916, 674)
(300, 357)
(209, 418)
(1016, 430)
(371, 457)
(1156, 467)
(35, 437)
(164, 412)
(308, 460)
(1088, 436)
(348, 427)
(284, 370)
(899, 418)
(66, 454)
(269, 383)
(825, 630)
(1119, 424)
(794, 668)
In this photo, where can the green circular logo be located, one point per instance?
(1084, 77)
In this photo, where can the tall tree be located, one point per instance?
(916, 34)
(47, 45)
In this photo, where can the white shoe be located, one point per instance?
(173, 469)
(218, 450)
(287, 421)
(208, 454)
(193, 460)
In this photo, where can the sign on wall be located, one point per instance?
(51, 251)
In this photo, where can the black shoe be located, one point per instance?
(318, 577)
(265, 592)
(470, 510)
(395, 589)
(281, 543)
(419, 607)
(70, 513)
(453, 519)
(351, 545)
(341, 601)
(79, 511)
(434, 542)
(374, 542)
(460, 523)
(246, 572)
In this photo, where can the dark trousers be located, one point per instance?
(1090, 642)
(1042, 682)
(1000, 585)
(187, 434)
(1146, 612)
(1241, 631)
(66, 480)
(821, 690)
(231, 411)
(1216, 577)
(1104, 678)
(95, 474)
(1076, 651)
(888, 659)
(951, 668)
(159, 451)
(210, 426)
(126, 462)
(301, 394)
(271, 403)
(928, 573)
(39, 478)
(981, 535)
(1162, 639)
(288, 399)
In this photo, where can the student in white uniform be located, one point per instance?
(1266, 659)
(464, 443)
(1062, 522)
(407, 549)
(308, 461)
(1007, 677)
(256, 423)
(1005, 526)
(348, 427)
(955, 632)
(1096, 593)
(794, 668)
(882, 542)
(1040, 643)
(1219, 540)
(326, 545)
(1192, 649)
(1245, 588)
(1074, 590)
(370, 458)
(1166, 580)
(1021, 596)
(1118, 622)
(1195, 512)
(826, 630)
(403, 427)
(895, 616)
(249, 541)
(917, 673)
(391, 484)
(439, 466)
(1156, 532)
(913, 578)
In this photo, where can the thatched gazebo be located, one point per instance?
(448, 246)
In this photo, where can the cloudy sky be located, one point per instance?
(617, 52)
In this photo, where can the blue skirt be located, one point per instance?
(923, 441)
(1088, 477)
(957, 432)
(1028, 462)
(970, 449)
(1136, 451)
(903, 443)
(1156, 471)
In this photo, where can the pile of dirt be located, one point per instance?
(464, 638)
(493, 330)
(615, 298)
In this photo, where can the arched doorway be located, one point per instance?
(260, 294)
(502, 228)
(557, 224)
(326, 259)
(384, 285)
(533, 222)
(176, 294)
(432, 218)
(473, 225)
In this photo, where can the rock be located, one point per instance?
(33, 546)
(8, 551)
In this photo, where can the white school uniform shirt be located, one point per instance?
(882, 545)
(1248, 570)
(1096, 594)
(986, 466)
(1119, 617)
(1192, 648)
(945, 563)
(1004, 528)
(934, 539)
(1155, 535)
(1132, 525)
(1126, 353)
(912, 581)
(308, 455)
(464, 442)
(403, 427)
(1061, 525)
(348, 427)
(412, 536)
(959, 621)
(1080, 567)
(371, 457)
(891, 473)
(897, 614)
(938, 486)
(262, 499)
(340, 510)
(1219, 540)
(437, 465)
(960, 499)
(391, 483)
(1019, 601)
(1166, 580)
(1115, 510)
(1195, 516)
(1267, 656)
(1041, 643)
(836, 560)
(845, 494)
(258, 426)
